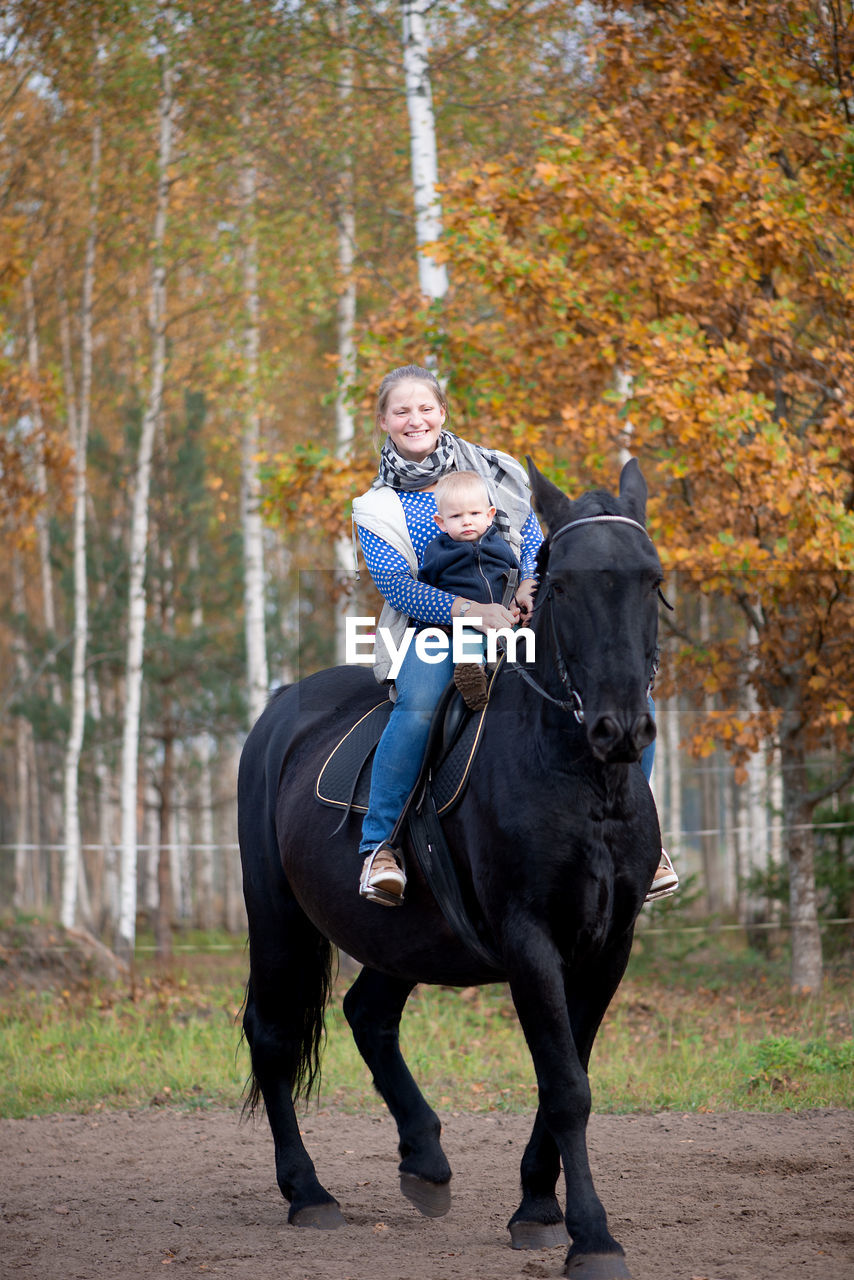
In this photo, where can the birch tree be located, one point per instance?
(257, 677)
(137, 598)
(345, 311)
(79, 423)
(432, 275)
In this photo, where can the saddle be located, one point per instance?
(344, 781)
(455, 734)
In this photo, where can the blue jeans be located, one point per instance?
(400, 750)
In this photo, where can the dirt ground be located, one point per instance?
(723, 1197)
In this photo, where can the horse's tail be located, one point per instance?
(288, 1024)
(290, 961)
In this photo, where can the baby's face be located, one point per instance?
(467, 517)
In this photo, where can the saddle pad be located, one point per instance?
(344, 781)
(449, 780)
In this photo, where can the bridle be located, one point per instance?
(573, 702)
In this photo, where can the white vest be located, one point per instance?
(380, 511)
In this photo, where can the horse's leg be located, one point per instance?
(538, 1222)
(538, 992)
(283, 1017)
(373, 1007)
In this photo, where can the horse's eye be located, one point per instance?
(559, 589)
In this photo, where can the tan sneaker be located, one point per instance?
(383, 879)
(665, 881)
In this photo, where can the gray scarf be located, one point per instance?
(505, 478)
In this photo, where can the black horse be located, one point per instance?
(556, 842)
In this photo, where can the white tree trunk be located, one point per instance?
(753, 822)
(139, 528)
(254, 596)
(432, 275)
(346, 324)
(72, 865)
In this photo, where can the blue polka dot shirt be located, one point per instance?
(392, 574)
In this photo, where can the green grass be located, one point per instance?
(711, 1033)
(64, 1052)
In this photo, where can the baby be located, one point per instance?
(469, 558)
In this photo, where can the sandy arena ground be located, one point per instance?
(121, 1195)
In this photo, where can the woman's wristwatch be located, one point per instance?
(465, 607)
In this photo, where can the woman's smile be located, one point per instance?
(414, 420)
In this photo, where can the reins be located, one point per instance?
(574, 701)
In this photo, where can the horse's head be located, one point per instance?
(598, 610)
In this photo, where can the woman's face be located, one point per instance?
(413, 420)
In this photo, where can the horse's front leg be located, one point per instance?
(373, 1007)
(536, 981)
(538, 1222)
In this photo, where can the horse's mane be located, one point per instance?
(598, 502)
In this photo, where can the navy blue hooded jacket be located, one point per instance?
(476, 570)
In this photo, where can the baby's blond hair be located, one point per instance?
(449, 487)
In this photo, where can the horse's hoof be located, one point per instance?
(597, 1266)
(538, 1235)
(433, 1199)
(325, 1217)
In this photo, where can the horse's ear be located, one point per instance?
(633, 491)
(548, 498)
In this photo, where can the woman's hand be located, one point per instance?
(525, 593)
(491, 615)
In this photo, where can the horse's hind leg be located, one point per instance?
(373, 1007)
(283, 1019)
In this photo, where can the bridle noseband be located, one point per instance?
(575, 704)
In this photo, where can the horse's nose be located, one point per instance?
(615, 743)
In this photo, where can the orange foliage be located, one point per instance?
(679, 265)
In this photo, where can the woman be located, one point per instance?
(395, 520)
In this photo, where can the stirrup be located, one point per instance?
(666, 884)
(373, 892)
